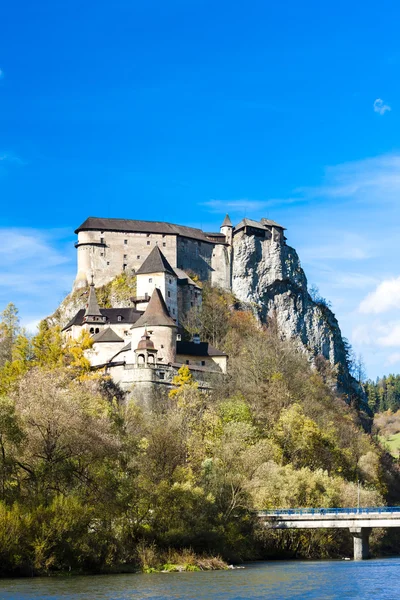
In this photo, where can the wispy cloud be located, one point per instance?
(246, 205)
(384, 298)
(36, 270)
(380, 107)
(9, 157)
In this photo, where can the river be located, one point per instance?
(321, 580)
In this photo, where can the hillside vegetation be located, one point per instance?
(91, 483)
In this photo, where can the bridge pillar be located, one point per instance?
(361, 542)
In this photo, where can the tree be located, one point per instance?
(9, 330)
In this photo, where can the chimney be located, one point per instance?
(196, 338)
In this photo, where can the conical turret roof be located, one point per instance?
(92, 308)
(156, 313)
(226, 222)
(155, 263)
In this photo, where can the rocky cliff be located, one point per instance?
(269, 275)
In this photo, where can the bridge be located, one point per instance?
(359, 521)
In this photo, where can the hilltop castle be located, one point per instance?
(140, 345)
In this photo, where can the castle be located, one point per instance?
(106, 247)
(140, 346)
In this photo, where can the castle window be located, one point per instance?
(101, 232)
(97, 330)
(164, 244)
(173, 311)
(108, 263)
(150, 280)
(138, 256)
(125, 242)
(163, 235)
(101, 253)
(169, 294)
(162, 346)
(161, 375)
(91, 330)
(125, 256)
(170, 280)
(187, 362)
(124, 266)
(148, 235)
(203, 362)
(101, 240)
(119, 318)
(148, 243)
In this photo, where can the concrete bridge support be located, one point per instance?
(361, 542)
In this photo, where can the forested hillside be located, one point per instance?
(89, 482)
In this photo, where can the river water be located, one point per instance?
(322, 580)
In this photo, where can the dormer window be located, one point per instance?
(119, 318)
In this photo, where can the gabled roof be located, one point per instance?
(156, 313)
(184, 279)
(133, 226)
(128, 316)
(107, 335)
(155, 263)
(226, 222)
(257, 224)
(198, 349)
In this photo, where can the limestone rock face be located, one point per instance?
(269, 275)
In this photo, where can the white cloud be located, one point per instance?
(36, 270)
(244, 205)
(384, 298)
(380, 107)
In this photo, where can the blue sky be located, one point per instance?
(183, 111)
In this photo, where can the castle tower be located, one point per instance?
(227, 229)
(93, 316)
(157, 321)
(145, 353)
(156, 272)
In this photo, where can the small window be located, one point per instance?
(187, 362)
(169, 294)
(119, 318)
(203, 362)
(101, 253)
(163, 235)
(97, 330)
(101, 232)
(124, 266)
(173, 311)
(108, 263)
(161, 375)
(162, 346)
(138, 256)
(125, 333)
(125, 256)
(164, 244)
(148, 235)
(150, 280)
(148, 243)
(125, 242)
(91, 330)
(101, 240)
(170, 280)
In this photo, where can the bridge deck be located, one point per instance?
(326, 518)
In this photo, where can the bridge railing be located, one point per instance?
(329, 511)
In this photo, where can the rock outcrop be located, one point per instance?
(269, 275)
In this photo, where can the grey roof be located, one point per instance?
(156, 313)
(155, 263)
(257, 224)
(107, 335)
(198, 349)
(226, 222)
(92, 308)
(128, 316)
(183, 278)
(133, 226)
